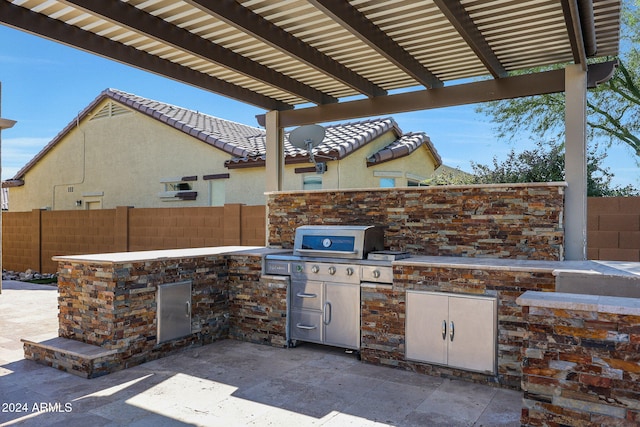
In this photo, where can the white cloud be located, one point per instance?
(16, 152)
(26, 60)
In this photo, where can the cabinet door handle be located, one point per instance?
(444, 329)
(308, 327)
(324, 313)
(451, 331)
(305, 295)
(188, 307)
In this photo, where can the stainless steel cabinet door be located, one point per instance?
(426, 327)
(454, 330)
(341, 315)
(472, 338)
(174, 310)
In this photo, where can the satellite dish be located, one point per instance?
(307, 137)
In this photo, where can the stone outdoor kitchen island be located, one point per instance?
(488, 241)
(109, 305)
(493, 242)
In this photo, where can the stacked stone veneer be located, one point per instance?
(257, 304)
(581, 360)
(521, 221)
(383, 315)
(89, 362)
(114, 305)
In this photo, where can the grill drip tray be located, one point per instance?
(388, 255)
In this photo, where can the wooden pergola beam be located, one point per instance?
(462, 22)
(357, 24)
(52, 29)
(233, 13)
(158, 29)
(462, 94)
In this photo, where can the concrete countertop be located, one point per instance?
(122, 257)
(571, 301)
(596, 268)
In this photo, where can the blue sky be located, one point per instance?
(46, 84)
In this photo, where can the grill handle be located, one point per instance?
(316, 252)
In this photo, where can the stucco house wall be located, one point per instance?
(138, 152)
(119, 161)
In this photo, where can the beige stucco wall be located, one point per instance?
(350, 172)
(117, 161)
(121, 161)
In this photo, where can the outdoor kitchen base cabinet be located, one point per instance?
(450, 329)
(174, 310)
(326, 313)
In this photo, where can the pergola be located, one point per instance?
(315, 61)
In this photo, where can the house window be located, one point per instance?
(312, 182)
(216, 192)
(178, 189)
(177, 186)
(387, 182)
(217, 188)
(93, 205)
(414, 180)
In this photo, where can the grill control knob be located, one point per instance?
(376, 273)
(315, 269)
(332, 270)
(349, 271)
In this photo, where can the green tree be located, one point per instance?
(613, 108)
(445, 175)
(545, 163)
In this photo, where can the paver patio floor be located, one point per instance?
(227, 383)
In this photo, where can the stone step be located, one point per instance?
(75, 357)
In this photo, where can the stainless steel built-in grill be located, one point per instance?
(327, 268)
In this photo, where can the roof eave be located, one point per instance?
(12, 183)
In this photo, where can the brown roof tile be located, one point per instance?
(247, 144)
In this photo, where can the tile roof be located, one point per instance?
(405, 145)
(247, 144)
(343, 139)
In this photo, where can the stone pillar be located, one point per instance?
(580, 360)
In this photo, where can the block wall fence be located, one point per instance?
(613, 228)
(31, 239)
